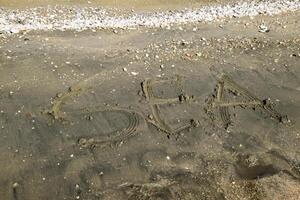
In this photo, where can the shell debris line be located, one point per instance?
(82, 18)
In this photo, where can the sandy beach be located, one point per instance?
(195, 100)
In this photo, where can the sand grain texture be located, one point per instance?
(219, 120)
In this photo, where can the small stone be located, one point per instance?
(199, 54)
(263, 28)
(125, 69)
(90, 118)
(15, 185)
(134, 73)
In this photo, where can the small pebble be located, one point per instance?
(15, 185)
(134, 73)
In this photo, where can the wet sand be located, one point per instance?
(197, 111)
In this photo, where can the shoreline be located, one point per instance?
(63, 18)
